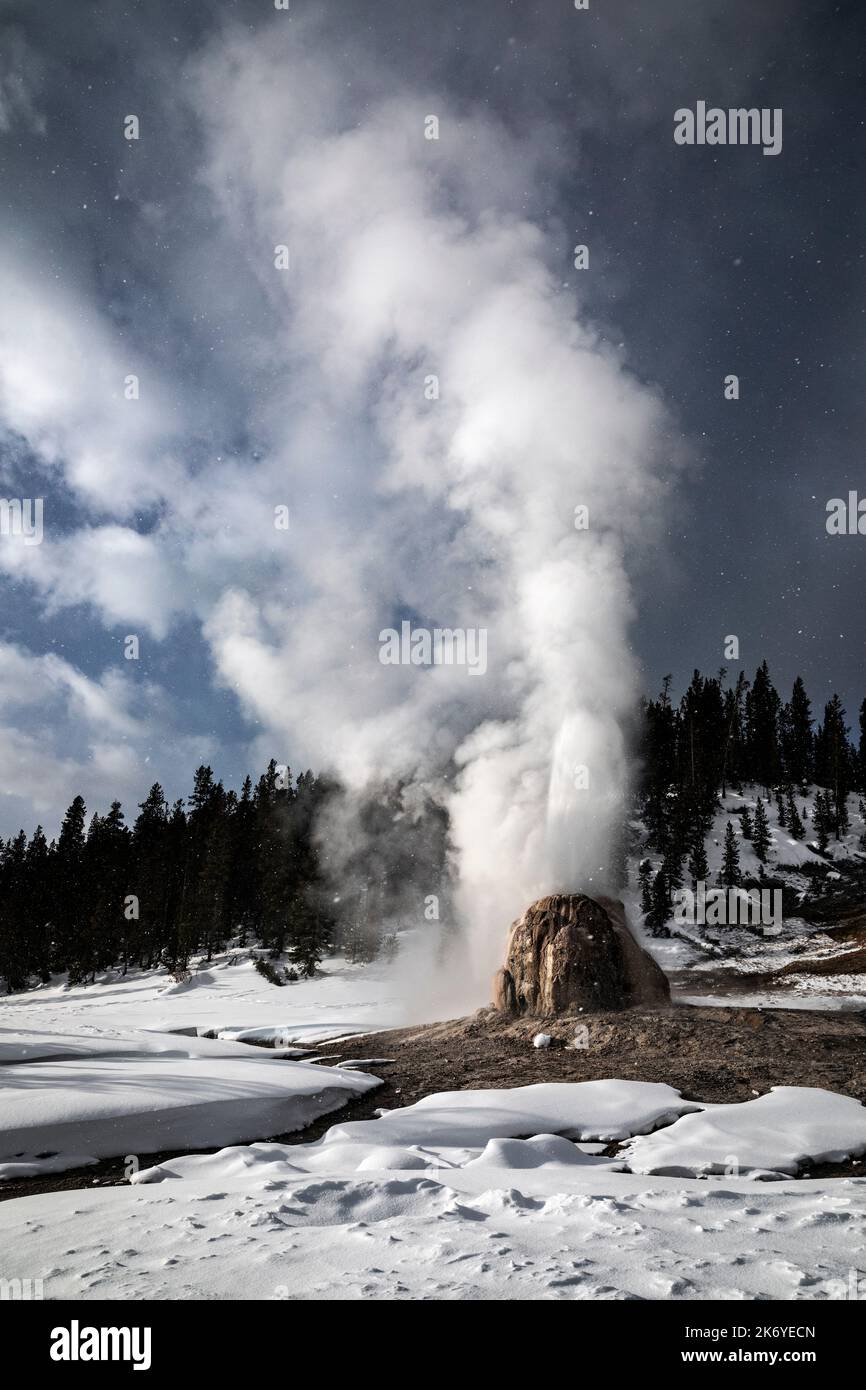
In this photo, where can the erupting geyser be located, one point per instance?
(568, 953)
(462, 604)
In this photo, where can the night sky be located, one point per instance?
(704, 262)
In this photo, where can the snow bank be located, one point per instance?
(591, 1111)
(535, 1126)
(774, 1135)
(541, 1151)
(599, 1111)
(76, 1098)
(455, 1128)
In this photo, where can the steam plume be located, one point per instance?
(412, 259)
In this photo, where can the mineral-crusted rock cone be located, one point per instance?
(569, 953)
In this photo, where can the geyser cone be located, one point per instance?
(569, 953)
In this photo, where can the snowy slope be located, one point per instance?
(701, 948)
(784, 849)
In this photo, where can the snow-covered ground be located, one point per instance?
(428, 1204)
(116, 1068)
(223, 997)
(68, 1099)
(773, 1134)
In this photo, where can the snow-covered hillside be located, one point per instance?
(786, 853)
(694, 952)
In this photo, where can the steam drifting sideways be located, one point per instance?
(460, 451)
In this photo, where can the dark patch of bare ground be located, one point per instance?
(709, 1054)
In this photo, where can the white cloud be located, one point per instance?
(62, 733)
(128, 578)
(62, 387)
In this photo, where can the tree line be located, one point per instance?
(725, 736)
(265, 868)
(181, 881)
(186, 878)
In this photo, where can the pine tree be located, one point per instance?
(275, 856)
(14, 954)
(672, 869)
(733, 753)
(699, 869)
(833, 763)
(645, 876)
(762, 729)
(38, 868)
(660, 726)
(202, 879)
(729, 875)
(147, 934)
(107, 853)
(71, 891)
(761, 836)
(212, 890)
(660, 910)
(798, 739)
(309, 938)
(172, 944)
(821, 818)
(704, 719)
(781, 810)
(746, 825)
(795, 825)
(243, 892)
